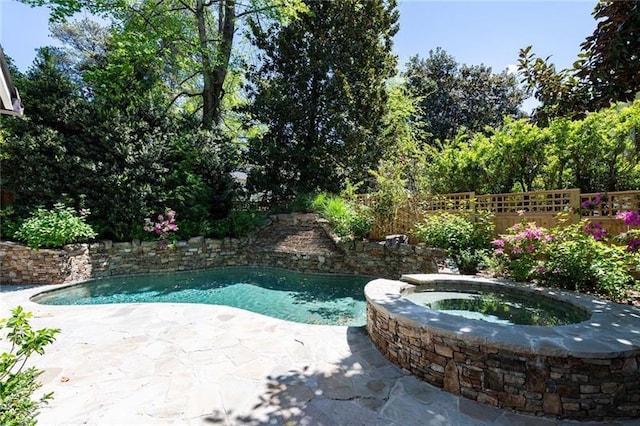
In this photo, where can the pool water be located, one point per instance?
(292, 296)
(500, 307)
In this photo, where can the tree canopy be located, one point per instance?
(183, 48)
(454, 97)
(157, 107)
(320, 90)
(607, 69)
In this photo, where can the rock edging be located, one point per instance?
(78, 262)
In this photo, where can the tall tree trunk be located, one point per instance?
(215, 63)
(208, 112)
(226, 27)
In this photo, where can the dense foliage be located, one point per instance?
(122, 164)
(54, 228)
(454, 97)
(320, 89)
(466, 237)
(607, 71)
(596, 154)
(612, 60)
(349, 218)
(574, 256)
(174, 49)
(18, 383)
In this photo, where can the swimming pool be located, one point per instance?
(292, 296)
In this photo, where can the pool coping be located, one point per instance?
(613, 330)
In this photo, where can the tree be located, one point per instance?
(599, 153)
(185, 44)
(45, 151)
(122, 164)
(561, 93)
(454, 96)
(320, 90)
(85, 44)
(612, 54)
(607, 70)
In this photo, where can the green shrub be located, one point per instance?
(243, 222)
(9, 223)
(17, 383)
(349, 220)
(466, 239)
(576, 261)
(239, 223)
(302, 203)
(54, 228)
(566, 257)
(318, 202)
(220, 228)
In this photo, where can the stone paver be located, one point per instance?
(179, 364)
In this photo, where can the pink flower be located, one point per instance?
(595, 230)
(517, 249)
(531, 248)
(498, 242)
(499, 251)
(633, 244)
(163, 226)
(630, 218)
(540, 270)
(585, 204)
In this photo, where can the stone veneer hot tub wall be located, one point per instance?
(585, 371)
(313, 251)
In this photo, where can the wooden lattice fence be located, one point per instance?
(541, 207)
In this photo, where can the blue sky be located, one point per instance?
(474, 32)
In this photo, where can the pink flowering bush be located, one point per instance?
(572, 256)
(164, 227)
(522, 248)
(632, 237)
(596, 230)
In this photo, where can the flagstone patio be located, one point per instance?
(175, 364)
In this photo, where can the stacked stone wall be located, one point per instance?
(559, 386)
(21, 265)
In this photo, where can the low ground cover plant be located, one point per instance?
(18, 383)
(54, 228)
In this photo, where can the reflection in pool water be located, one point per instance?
(312, 299)
(500, 307)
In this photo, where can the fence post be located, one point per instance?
(574, 203)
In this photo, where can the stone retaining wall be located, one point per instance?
(581, 389)
(21, 265)
(367, 259)
(602, 385)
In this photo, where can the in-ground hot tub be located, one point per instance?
(584, 370)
